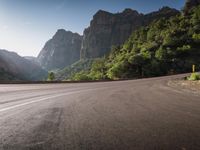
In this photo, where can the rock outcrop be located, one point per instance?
(60, 51)
(107, 29)
(15, 67)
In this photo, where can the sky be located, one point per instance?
(26, 25)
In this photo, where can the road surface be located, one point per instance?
(143, 114)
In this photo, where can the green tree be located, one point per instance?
(98, 70)
(51, 76)
(81, 76)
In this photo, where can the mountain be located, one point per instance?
(108, 29)
(15, 67)
(164, 47)
(60, 51)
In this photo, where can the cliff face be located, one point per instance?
(60, 51)
(15, 67)
(107, 29)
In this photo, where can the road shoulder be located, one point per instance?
(186, 85)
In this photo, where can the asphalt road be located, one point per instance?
(143, 114)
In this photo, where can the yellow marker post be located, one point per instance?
(193, 68)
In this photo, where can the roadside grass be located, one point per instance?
(194, 77)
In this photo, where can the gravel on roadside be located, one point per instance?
(193, 86)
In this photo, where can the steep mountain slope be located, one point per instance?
(107, 29)
(166, 46)
(15, 67)
(32, 59)
(60, 51)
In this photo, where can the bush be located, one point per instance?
(51, 76)
(194, 77)
(81, 76)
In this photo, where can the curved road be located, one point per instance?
(142, 114)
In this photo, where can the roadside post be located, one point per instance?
(193, 68)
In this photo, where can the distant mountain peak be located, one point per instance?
(166, 8)
(101, 13)
(62, 50)
(130, 11)
(61, 30)
(20, 67)
(64, 31)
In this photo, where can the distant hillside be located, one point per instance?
(7, 76)
(60, 51)
(15, 67)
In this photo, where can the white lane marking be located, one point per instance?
(43, 99)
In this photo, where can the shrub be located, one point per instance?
(194, 77)
(81, 76)
(51, 76)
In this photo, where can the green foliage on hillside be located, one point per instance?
(81, 76)
(70, 71)
(164, 47)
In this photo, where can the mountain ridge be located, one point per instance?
(19, 68)
(107, 29)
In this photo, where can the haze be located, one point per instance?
(26, 25)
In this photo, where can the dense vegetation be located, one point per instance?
(167, 46)
(70, 71)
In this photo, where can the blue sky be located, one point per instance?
(25, 25)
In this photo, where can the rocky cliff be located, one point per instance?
(107, 29)
(60, 51)
(32, 59)
(15, 67)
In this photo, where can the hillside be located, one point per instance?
(7, 76)
(107, 29)
(69, 71)
(15, 67)
(166, 46)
